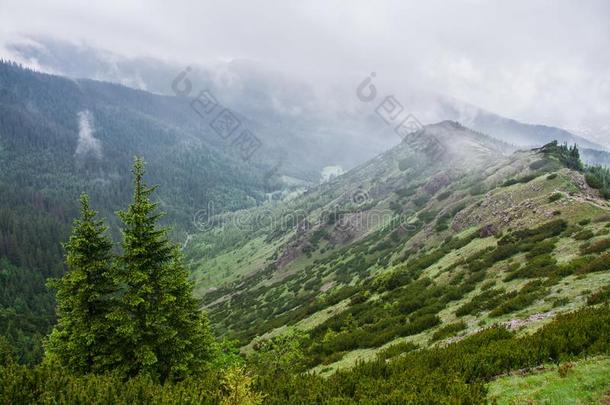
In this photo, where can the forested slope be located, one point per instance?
(60, 137)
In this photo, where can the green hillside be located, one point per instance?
(413, 248)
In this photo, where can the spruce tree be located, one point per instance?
(80, 340)
(161, 332)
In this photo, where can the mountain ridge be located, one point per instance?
(368, 237)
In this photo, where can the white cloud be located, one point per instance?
(541, 61)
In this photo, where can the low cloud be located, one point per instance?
(538, 61)
(88, 145)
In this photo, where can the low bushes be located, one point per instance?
(486, 300)
(601, 263)
(595, 247)
(448, 330)
(396, 350)
(598, 177)
(584, 235)
(521, 180)
(457, 373)
(602, 295)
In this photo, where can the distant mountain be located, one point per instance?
(596, 157)
(330, 129)
(523, 135)
(292, 116)
(63, 136)
(509, 130)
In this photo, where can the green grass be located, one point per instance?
(477, 245)
(319, 317)
(588, 382)
(305, 324)
(231, 265)
(351, 358)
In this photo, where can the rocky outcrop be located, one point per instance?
(488, 230)
(436, 183)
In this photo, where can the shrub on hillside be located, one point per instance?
(601, 263)
(596, 247)
(602, 295)
(448, 330)
(584, 235)
(396, 350)
(539, 164)
(598, 177)
(444, 195)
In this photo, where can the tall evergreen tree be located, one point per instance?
(574, 154)
(161, 331)
(80, 340)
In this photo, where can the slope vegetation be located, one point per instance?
(439, 238)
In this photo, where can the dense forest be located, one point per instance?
(45, 166)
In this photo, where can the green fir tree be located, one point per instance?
(161, 331)
(80, 340)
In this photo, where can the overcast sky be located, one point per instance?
(538, 61)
